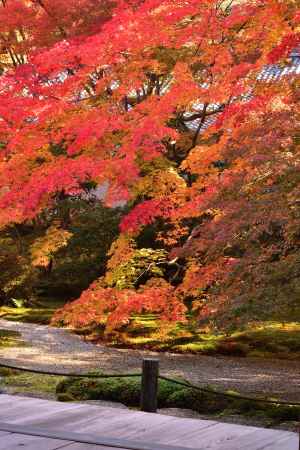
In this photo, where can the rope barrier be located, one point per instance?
(228, 395)
(75, 375)
(162, 377)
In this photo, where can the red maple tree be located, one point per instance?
(122, 93)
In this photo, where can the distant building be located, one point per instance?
(270, 73)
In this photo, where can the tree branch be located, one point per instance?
(201, 123)
(200, 114)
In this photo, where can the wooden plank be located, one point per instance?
(194, 433)
(88, 418)
(129, 426)
(10, 402)
(167, 430)
(139, 427)
(18, 407)
(265, 439)
(78, 446)
(84, 420)
(85, 438)
(210, 437)
(286, 443)
(3, 433)
(70, 420)
(36, 411)
(107, 421)
(171, 433)
(16, 441)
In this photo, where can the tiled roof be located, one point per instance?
(270, 73)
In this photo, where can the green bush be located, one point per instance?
(6, 372)
(283, 413)
(65, 398)
(144, 264)
(127, 390)
(232, 349)
(124, 390)
(10, 338)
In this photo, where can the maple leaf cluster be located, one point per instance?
(120, 94)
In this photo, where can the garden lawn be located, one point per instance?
(267, 340)
(25, 383)
(9, 338)
(39, 314)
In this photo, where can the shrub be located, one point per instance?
(127, 390)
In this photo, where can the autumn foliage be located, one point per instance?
(96, 93)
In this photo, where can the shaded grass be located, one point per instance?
(267, 340)
(40, 314)
(127, 391)
(18, 382)
(10, 339)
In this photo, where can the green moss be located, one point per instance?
(5, 372)
(30, 383)
(9, 338)
(124, 390)
(115, 389)
(65, 398)
(198, 401)
(284, 413)
(39, 314)
(265, 340)
(127, 391)
(232, 348)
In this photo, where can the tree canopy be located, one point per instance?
(120, 93)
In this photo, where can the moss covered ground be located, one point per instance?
(127, 391)
(25, 383)
(38, 314)
(10, 338)
(266, 340)
(263, 340)
(170, 395)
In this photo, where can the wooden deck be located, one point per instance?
(34, 424)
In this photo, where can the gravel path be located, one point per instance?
(58, 349)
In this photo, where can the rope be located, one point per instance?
(64, 374)
(228, 395)
(161, 377)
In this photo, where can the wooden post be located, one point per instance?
(149, 385)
